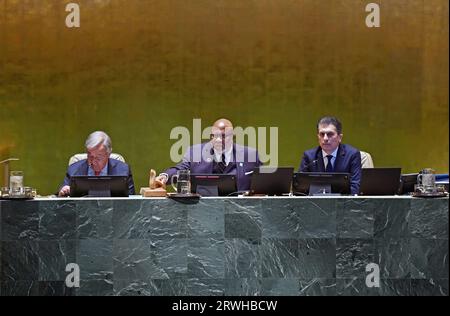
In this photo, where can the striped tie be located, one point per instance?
(220, 166)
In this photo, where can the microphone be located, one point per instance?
(312, 163)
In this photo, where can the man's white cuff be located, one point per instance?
(165, 175)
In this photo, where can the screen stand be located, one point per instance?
(320, 189)
(99, 193)
(208, 190)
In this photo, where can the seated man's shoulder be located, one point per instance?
(311, 151)
(246, 148)
(350, 148)
(118, 163)
(245, 153)
(77, 164)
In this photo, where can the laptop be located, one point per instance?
(213, 184)
(99, 186)
(271, 180)
(380, 181)
(443, 180)
(321, 183)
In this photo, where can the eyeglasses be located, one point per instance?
(96, 158)
(222, 136)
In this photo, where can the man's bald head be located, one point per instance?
(223, 123)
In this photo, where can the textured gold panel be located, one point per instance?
(138, 68)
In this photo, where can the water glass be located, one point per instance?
(183, 183)
(16, 179)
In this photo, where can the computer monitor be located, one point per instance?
(442, 179)
(213, 184)
(407, 183)
(379, 181)
(321, 183)
(99, 186)
(271, 180)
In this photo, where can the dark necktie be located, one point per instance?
(220, 166)
(329, 165)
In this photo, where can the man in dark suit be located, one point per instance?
(98, 148)
(331, 155)
(220, 155)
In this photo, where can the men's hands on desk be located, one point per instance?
(160, 181)
(65, 191)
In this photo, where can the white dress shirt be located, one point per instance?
(228, 155)
(325, 159)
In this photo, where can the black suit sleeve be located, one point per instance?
(304, 164)
(131, 190)
(355, 172)
(66, 179)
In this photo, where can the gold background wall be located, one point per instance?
(138, 68)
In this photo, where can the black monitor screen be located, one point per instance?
(380, 181)
(271, 180)
(407, 183)
(99, 186)
(313, 183)
(213, 184)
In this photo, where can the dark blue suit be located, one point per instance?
(115, 168)
(348, 159)
(246, 159)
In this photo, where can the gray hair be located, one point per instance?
(98, 137)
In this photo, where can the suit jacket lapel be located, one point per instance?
(339, 158)
(111, 166)
(209, 167)
(209, 163)
(238, 163)
(319, 157)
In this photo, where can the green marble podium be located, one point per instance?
(225, 246)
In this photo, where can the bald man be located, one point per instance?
(218, 156)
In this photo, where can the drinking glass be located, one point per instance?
(16, 179)
(183, 183)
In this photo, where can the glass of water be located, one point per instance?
(16, 179)
(183, 183)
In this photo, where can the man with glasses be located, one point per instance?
(331, 155)
(98, 148)
(218, 156)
